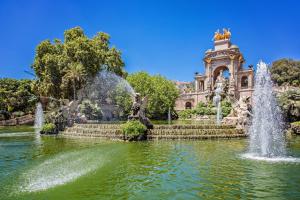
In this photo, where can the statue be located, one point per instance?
(240, 114)
(220, 80)
(226, 34)
(138, 111)
(218, 35)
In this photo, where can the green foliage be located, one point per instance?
(286, 72)
(48, 128)
(296, 123)
(205, 109)
(63, 68)
(17, 95)
(161, 92)
(123, 100)
(226, 107)
(289, 102)
(186, 114)
(90, 110)
(133, 128)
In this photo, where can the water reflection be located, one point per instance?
(210, 169)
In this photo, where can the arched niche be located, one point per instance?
(244, 82)
(217, 70)
(188, 105)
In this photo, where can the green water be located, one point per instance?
(55, 168)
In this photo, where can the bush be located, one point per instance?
(289, 102)
(48, 128)
(186, 114)
(133, 128)
(18, 114)
(296, 123)
(226, 108)
(204, 109)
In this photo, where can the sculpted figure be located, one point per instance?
(226, 33)
(218, 35)
(240, 114)
(138, 111)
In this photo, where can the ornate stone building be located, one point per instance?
(223, 63)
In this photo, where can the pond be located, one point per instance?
(33, 167)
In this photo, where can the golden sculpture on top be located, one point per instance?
(219, 36)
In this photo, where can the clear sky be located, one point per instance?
(165, 37)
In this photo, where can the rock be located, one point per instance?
(295, 127)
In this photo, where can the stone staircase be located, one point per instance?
(193, 132)
(105, 131)
(187, 131)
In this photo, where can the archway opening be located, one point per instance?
(221, 71)
(188, 105)
(244, 82)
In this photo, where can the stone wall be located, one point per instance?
(24, 120)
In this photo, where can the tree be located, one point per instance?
(16, 95)
(54, 62)
(289, 101)
(74, 74)
(286, 72)
(162, 93)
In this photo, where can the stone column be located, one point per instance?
(231, 69)
(232, 79)
(196, 84)
(208, 73)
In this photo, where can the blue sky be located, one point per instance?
(165, 37)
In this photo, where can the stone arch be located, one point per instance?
(188, 105)
(244, 82)
(216, 72)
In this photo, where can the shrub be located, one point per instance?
(289, 101)
(133, 128)
(226, 108)
(205, 109)
(186, 114)
(18, 114)
(48, 128)
(296, 123)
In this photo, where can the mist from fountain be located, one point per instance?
(39, 116)
(103, 90)
(267, 140)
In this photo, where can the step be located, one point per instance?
(192, 137)
(99, 126)
(91, 130)
(195, 131)
(194, 126)
(107, 136)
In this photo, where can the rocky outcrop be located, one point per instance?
(295, 127)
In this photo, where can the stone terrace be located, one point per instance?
(186, 131)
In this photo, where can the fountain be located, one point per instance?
(103, 91)
(217, 102)
(169, 116)
(267, 140)
(39, 116)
